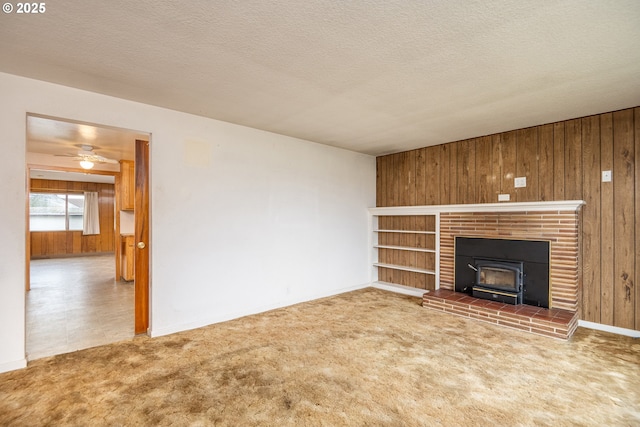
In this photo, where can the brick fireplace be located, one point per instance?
(559, 226)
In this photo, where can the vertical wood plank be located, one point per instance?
(398, 240)
(404, 256)
(496, 163)
(607, 279)
(484, 176)
(383, 254)
(558, 161)
(421, 165)
(392, 183)
(404, 192)
(381, 181)
(49, 244)
(410, 168)
(508, 154)
(591, 219)
(624, 224)
(433, 175)
(573, 160)
(414, 278)
(465, 171)
(36, 244)
(545, 163)
(445, 175)
(527, 163)
(398, 195)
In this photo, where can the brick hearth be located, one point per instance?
(556, 323)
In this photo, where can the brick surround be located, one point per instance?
(558, 227)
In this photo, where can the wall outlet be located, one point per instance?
(520, 182)
(606, 176)
(504, 197)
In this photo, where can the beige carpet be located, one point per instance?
(364, 358)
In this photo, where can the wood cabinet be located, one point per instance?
(406, 250)
(127, 185)
(127, 261)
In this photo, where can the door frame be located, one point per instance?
(142, 237)
(142, 287)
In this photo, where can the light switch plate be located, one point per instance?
(504, 197)
(606, 176)
(520, 182)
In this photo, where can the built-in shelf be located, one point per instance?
(404, 268)
(404, 231)
(410, 235)
(405, 248)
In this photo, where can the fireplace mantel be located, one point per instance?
(561, 205)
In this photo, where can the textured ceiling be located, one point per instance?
(375, 76)
(56, 137)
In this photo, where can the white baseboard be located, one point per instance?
(157, 332)
(606, 328)
(400, 289)
(12, 366)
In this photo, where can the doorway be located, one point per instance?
(78, 298)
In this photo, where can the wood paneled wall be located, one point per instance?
(67, 243)
(561, 161)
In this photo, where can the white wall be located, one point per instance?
(242, 220)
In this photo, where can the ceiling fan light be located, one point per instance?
(86, 164)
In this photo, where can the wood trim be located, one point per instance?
(68, 169)
(606, 222)
(563, 205)
(27, 254)
(637, 214)
(142, 236)
(118, 237)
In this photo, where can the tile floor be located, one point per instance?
(75, 303)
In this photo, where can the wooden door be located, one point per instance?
(142, 246)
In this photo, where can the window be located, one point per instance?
(55, 212)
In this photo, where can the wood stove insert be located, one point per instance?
(508, 271)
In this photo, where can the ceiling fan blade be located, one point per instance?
(100, 159)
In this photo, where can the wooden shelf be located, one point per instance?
(405, 248)
(404, 268)
(404, 231)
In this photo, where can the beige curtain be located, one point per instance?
(91, 216)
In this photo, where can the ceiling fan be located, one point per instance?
(88, 158)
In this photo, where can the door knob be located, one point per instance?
(141, 245)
